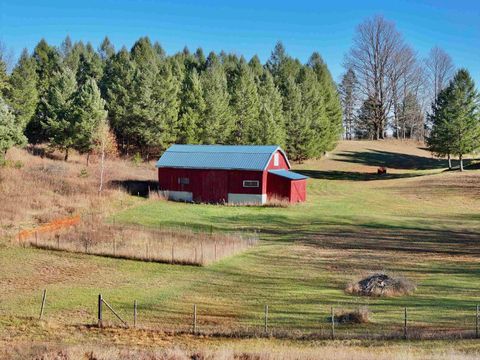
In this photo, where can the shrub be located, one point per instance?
(359, 316)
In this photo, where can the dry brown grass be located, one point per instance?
(234, 352)
(36, 190)
(176, 246)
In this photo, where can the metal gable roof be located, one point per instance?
(288, 174)
(235, 157)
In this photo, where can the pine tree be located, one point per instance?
(60, 124)
(365, 125)
(217, 123)
(456, 118)
(48, 62)
(4, 84)
(23, 94)
(314, 113)
(66, 47)
(10, 132)
(165, 127)
(349, 96)
(192, 109)
(270, 128)
(87, 112)
(116, 87)
(71, 59)
(332, 128)
(89, 66)
(106, 49)
(245, 107)
(256, 67)
(300, 134)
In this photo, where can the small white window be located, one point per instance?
(183, 181)
(251, 183)
(275, 159)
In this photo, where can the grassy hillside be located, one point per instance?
(418, 221)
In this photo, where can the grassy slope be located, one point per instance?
(418, 222)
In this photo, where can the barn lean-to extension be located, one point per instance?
(240, 174)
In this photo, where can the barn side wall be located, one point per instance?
(211, 185)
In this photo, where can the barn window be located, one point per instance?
(275, 160)
(251, 183)
(183, 181)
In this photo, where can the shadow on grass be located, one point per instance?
(415, 241)
(353, 176)
(136, 187)
(392, 160)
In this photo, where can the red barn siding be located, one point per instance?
(210, 185)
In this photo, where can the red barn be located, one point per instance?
(229, 174)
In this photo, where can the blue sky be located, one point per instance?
(246, 27)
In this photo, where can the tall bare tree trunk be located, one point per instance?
(449, 162)
(461, 162)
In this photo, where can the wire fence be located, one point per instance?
(327, 322)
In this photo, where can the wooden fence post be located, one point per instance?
(266, 319)
(44, 298)
(100, 301)
(405, 324)
(194, 319)
(476, 323)
(333, 322)
(135, 313)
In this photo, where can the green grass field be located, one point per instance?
(418, 222)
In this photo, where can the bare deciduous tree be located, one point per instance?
(439, 66)
(373, 56)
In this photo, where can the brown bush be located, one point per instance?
(358, 316)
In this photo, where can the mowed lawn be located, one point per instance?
(418, 222)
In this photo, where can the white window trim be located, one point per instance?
(276, 160)
(186, 181)
(251, 181)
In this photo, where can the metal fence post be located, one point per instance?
(476, 322)
(44, 297)
(266, 319)
(100, 301)
(332, 313)
(135, 313)
(194, 319)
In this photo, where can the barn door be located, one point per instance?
(215, 187)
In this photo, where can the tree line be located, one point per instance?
(63, 95)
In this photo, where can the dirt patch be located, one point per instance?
(381, 284)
